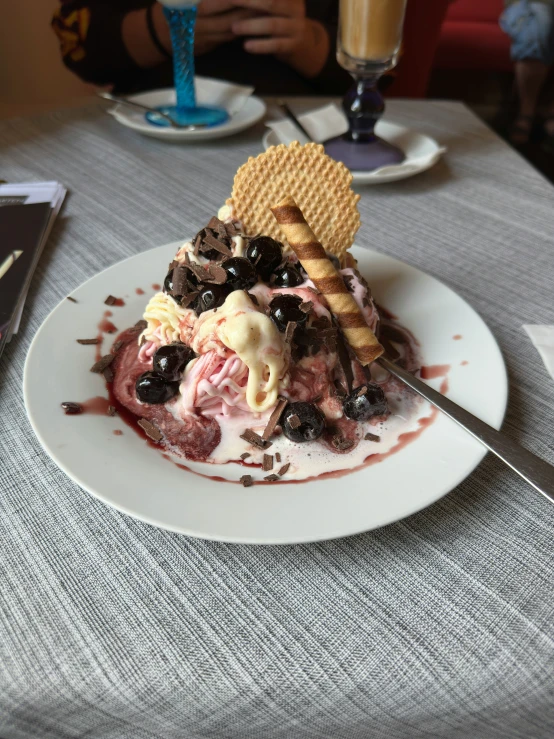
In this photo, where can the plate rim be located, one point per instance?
(503, 386)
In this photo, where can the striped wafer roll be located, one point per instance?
(325, 277)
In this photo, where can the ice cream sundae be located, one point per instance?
(260, 347)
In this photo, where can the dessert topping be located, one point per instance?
(153, 388)
(86, 342)
(267, 463)
(302, 422)
(151, 430)
(285, 309)
(241, 274)
(255, 439)
(170, 360)
(265, 254)
(247, 481)
(71, 409)
(365, 402)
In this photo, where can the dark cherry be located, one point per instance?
(168, 285)
(265, 254)
(284, 308)
(312, 422)
(153, 388)
(170, 360)
(210, 297)
(361, 407)
(288, 276)
(241, 275)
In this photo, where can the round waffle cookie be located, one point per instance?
(319, 185)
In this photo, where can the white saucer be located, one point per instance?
(125, 472)
(245, 111)
(421, 151)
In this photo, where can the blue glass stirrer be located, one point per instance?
(181, 16)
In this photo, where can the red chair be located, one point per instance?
(422, 29)
(472, 39)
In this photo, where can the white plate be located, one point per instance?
(126, 473)
(208, 92)
(421, 151)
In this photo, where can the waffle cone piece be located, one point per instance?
(319, 184)
(327, 280)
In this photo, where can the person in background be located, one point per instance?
(530, 25)
(278, 46)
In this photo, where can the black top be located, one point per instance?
(92, 47)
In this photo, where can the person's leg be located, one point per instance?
(523, 21)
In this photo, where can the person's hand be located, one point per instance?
(282, 23)
(215, 22)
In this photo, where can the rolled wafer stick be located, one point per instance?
(327, 280)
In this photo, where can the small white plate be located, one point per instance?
(248, 111)
(126, 473)
(421, 151)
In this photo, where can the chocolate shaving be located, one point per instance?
(317, 398)
(274, 419)
(111, 410)
(217, 274)
(245, 456)
(306, 307)
(267, 463)
(247, 481)
(86, 342)
(255, 439)
(362, 391)
(348, 279)
(71, 409)
(102, 363)
(284, 469)
(294, 421)
(231, 230)
(210, 242)
(253, 298)
(201, 273)
(312, 289)
(339, 388)
(71, 299)
(108, 374)
(271, 478)
(186, 300)
(277, 457)
(140, 326)
(289, 333)
(117, 346)
(321, 323)
(340, 443)
(179, 280)
(110, 300)
(344, 360)
(214, 223)
(152, 431)
(372, 437)
(197, 244)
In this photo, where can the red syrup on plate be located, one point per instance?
(106, 326)
(155, 286)
(139, 291)
(432, 371)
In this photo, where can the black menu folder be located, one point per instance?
(22, 229)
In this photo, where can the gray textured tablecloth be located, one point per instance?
(440, 625)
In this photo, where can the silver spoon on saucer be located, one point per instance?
(132, 104)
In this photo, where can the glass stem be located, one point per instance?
(181, 27)
(363, 105)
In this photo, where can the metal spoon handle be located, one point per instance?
(531, 468)
(132, 104)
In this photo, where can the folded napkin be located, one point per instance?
(543, 340)
(322, 124)
(223, 94)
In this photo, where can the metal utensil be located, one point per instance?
(531, 468)
(290, 115)
(132, 104)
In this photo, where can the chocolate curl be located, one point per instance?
(327, 280)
